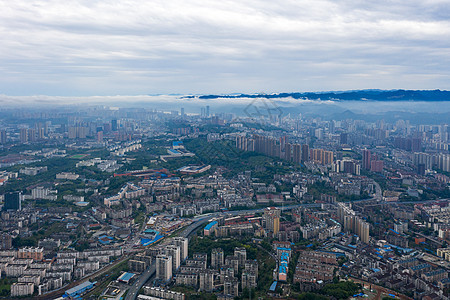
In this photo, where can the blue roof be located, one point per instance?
(338, 254)
(285, 249)
(83, 286)
(401, 249)
(435, 272)
(332, 220)
(105, 240)
(273, 286)
(345, 248)
(418, 267)
(393, 231)
(284, 256)
(146, 242)
(126, 276)
(310, 245)
(210, 225)
(283, 267)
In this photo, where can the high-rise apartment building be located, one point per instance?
(183, 244)
(163, 267)
(36, 253)
(3, 137)
(343, 138)
(114, 125)
(297, 153)
(206, 280)
(5, 241)
(217, 258)
(31, 135)
(13, 201)
(231, 286)
(376, 166)
(23, 135)
(347, 217)
(366, 159)
(288, 152)
(271, 219)
(322, 157)
(305, 153)
(174, 252)
(241, 254)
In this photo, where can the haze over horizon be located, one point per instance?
(132, 48)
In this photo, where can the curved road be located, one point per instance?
(151, 271)
(199, 221)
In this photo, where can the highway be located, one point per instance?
(133, 292)
(200, 220)
(59, 292)
(143, 278)
(151, 271)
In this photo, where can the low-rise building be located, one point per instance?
(36, 253)
(187, 279)
(22, 289)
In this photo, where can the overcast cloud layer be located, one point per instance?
(82, 48)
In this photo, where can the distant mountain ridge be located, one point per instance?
(358, 95)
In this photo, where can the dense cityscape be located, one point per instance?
(225, 150)
(102, 202)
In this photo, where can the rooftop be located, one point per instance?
(126, 276)
(79, 287)
(210, 225)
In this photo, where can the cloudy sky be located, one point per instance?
(99, 47)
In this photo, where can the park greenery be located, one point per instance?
(266, 263)
(261, 252)
(223, 153)
(5, 286)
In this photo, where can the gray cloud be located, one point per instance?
(135, 47)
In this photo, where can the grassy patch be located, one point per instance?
(5, 286)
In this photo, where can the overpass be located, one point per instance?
(187, 232)
(151, 270)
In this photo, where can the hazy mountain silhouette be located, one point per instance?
(360, 95)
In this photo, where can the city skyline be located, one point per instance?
(146, 201)
(219, 150)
